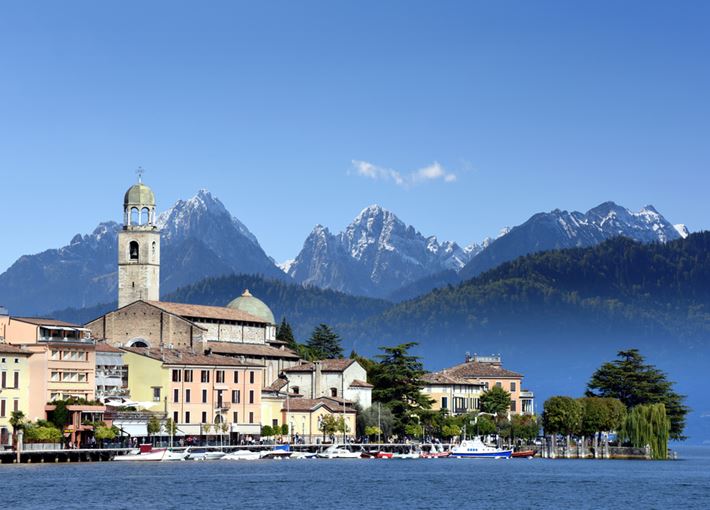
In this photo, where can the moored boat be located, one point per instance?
(146, 452)
(524, 454)
(242, 455)
(338, 451)
(203, 454)
(477, 449)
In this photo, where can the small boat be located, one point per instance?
(145, 452)
(203, 454)
(434, 451)
(477, 449)
(384, 455)
(409, 454)
(242, 455)
(338, 451)
(281, 451)
(524, 454)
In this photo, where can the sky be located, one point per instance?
(460, 117)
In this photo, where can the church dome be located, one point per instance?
(253, 306)
(139, 194)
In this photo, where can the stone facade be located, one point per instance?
(235, 332)
(343, 379)
(138, 273)
(144, 325)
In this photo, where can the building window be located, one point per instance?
(176, 375)
(205, 376)
(235, 417)
(334, 392)
(295, 389)
(188, 375)
(251, 377)
(499, 384)
(512, 405)
(156, 393)
(176, 417)
(16, 405)
(236, 376)
(204, 416)
(219, 376)
(235, 396)
(176, 395)
(133, 249)
(3, 380)
(444, 402)
(251, 396)
(187, 416)
(274, 423)
(187, 396)
(512, 386)
(2, 408)
(204, 396)
(251, 417)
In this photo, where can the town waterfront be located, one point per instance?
(345, 484)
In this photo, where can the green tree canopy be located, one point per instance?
(398, 384)
(562, 415)
(648, 425)
(377, 416)
(154, 425)
(267, 431)
(634, 382)
(324, 343)
(496, 401)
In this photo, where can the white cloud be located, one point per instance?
(433, 172)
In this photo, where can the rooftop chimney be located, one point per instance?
(468, 357)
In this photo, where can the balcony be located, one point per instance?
(527, 394)
(222, 406)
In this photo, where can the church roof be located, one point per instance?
(253, 306)
(197, 312)
(139, 194)
(469, 373)
(311, 404)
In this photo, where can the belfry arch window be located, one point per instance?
(145, 216)
(153, 246)
(133, 250)
(135, 216)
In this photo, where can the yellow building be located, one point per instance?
(197, 389)
(458, 389)
(14, 387)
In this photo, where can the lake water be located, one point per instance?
(356, 484)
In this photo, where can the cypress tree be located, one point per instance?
(324, 343)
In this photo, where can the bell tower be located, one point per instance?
(138, 247)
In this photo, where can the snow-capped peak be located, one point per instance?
(285, 266)
(682, 230)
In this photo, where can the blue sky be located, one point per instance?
(461, 117)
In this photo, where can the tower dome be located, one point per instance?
(139, 195)
(253, 306)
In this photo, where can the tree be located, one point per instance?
(449, 430)
(634, 383)
(285, 334)
(284, 429)
(562, 415)
(595, 415)
(328, 425)
(495, 401)
(524, 426)
(102, 433)
(267, 431)
(17, 422)
(170, 427)
(372, 431)
(375, 416)
(42, 432)
(648, 425)
(399, 383)
(324, 343)
(154, 425)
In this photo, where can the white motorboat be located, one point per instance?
(477, 449)
(302, 455)
(338, 451)
(242, 455)
(282, 451)
(204, 454)
(146, 453)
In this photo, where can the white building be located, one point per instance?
(334, 378)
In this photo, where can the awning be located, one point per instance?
(132, 428)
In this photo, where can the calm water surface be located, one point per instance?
(346, 484)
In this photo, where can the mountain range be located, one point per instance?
(377, 255)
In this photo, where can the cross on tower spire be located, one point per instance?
(140, 173)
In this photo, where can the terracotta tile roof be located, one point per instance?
(251, 350)
(104, 347)
(311, 404)
(357, 383)
(42, 321)
(205, 312)
(469, 372)
(277, 385)
(327, 365)
(13, 349)
(182, 357)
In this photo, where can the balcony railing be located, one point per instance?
(222, 405)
